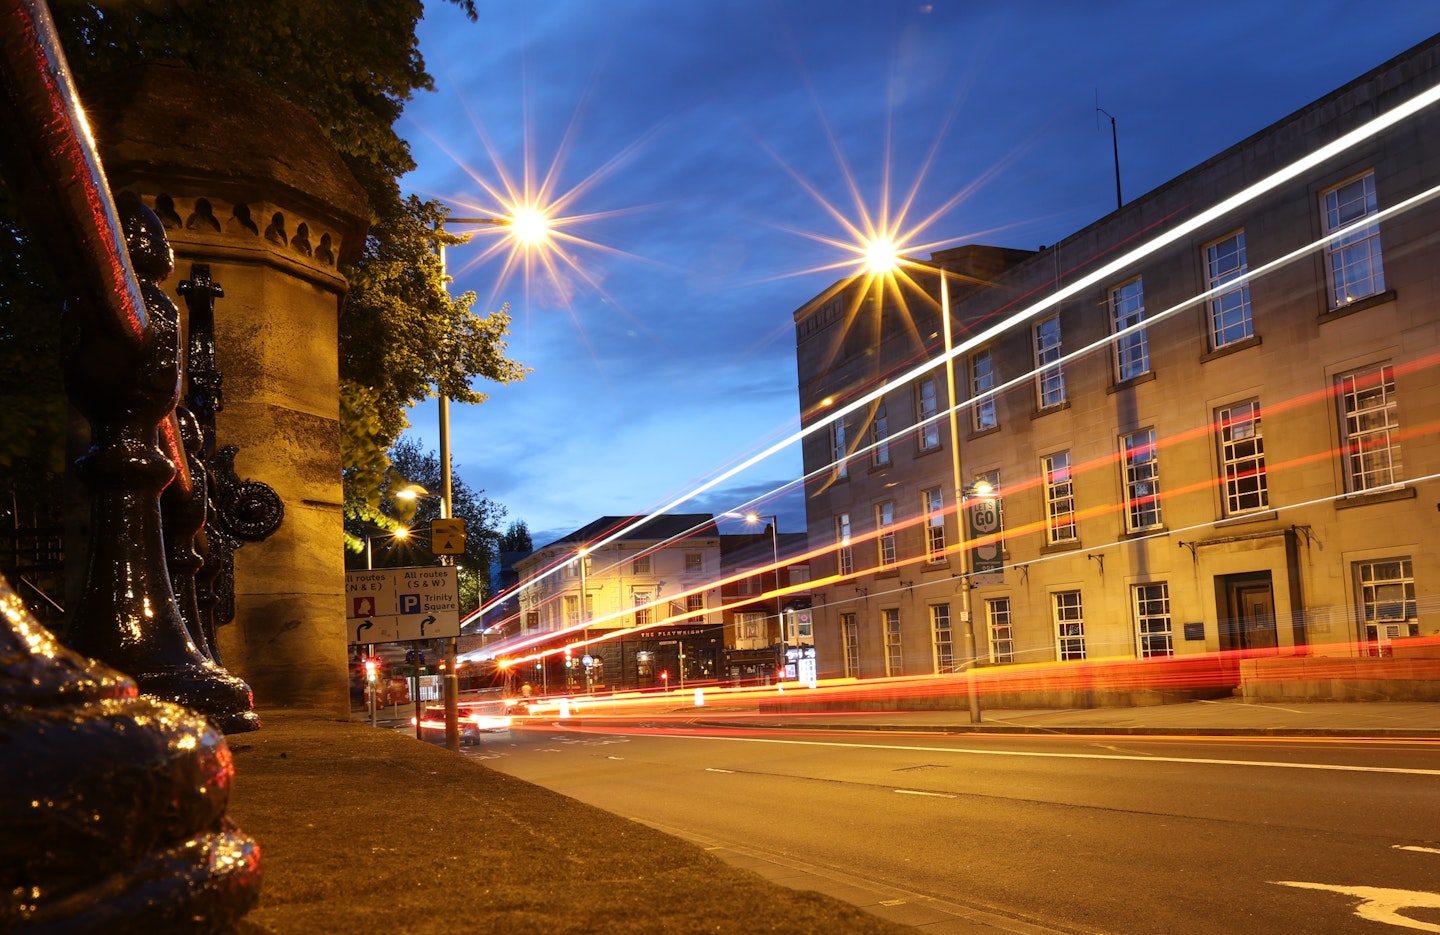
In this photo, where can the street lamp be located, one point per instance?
(401, 533)
(961, 520)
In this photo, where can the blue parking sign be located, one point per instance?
(409, 603)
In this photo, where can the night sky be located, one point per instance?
(714, 154)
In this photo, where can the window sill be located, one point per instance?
(1359, 305)
(1145, 377)
(1146, 533)
(925, 452)
(1231, 348)
(888, 571)
(1056, 548)
(1245, 519)
(1367, 497)
(981, 433)
(1059, 407)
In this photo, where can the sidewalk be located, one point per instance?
(368, 830)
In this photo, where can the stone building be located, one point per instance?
(1205, 422)
(247, 184)
(650, 617)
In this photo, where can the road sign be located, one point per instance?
(447, 536)
(388, 605)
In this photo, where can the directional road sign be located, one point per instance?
(388, 605)
(447, 536)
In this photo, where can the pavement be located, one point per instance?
(366, 830)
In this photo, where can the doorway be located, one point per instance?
(1246, 605)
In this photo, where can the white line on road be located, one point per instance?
(711, 769)
(1382, 905)
(938, 795)
(1416, 847)
(1270, 764)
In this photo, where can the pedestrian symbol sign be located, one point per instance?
(447, 536)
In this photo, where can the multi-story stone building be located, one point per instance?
(1205, 422)
(763, 589)
(657, 580)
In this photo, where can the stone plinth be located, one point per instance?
(247, 183)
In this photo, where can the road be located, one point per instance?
(1038, 833)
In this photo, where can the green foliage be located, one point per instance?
(517, 538)
(410, 465)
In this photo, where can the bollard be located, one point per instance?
(699, 697)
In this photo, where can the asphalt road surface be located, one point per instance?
(1063, 833)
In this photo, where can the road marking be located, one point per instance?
(1382, 905)
(711, 769)
(1033, 754)
(1416, 847)
(938, 795)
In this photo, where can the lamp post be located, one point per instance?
(961, 518)
(753, 518)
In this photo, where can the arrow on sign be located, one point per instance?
(425, 623)
(362, 627)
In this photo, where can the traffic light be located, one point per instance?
(372, 669)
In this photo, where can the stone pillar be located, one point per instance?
(247, 183)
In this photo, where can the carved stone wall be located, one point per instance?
(246, 183)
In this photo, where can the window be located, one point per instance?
(932, 502)
(1142, 481)
(641, 565)
(850, 636)
(1132, 349)
(1386, 589)
(1242, 458)
(694, 562)
(838, 451)
(1059, 498)
(572, 567)
(885, 540)
(1151, 605)
(642, 613)
(944, 638)
(1050, 384)
(1226, 266)
(695, 603)
(1002, 635)
(844, 557)
(1353, 252)
(749, 625)
(1069, 625)
(982, 380)
(572, 610)
(1369, 428)
(894, 658)
(532, 621)
(879, 435)
(927, 408)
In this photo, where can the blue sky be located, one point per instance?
(704, 140)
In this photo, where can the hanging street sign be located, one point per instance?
(389, 605)
(447, 536)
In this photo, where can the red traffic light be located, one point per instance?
(372, 668)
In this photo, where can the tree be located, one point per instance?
(411, 465)
(352, 66)
(517, 538)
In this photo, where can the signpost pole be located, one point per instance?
(371, 685)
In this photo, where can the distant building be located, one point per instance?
(752, 620)
(651, 591)
(1227, 444)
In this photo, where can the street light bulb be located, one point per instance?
(881, 255)
(752, 517)
(530, 226)
(401, 533)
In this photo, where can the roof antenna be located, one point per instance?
(1114, 143)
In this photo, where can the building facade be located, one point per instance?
(764, 588)
(649, 617)
(1185, 428)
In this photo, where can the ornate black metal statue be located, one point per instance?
(112, 803)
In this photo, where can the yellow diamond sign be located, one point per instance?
(447, 536)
